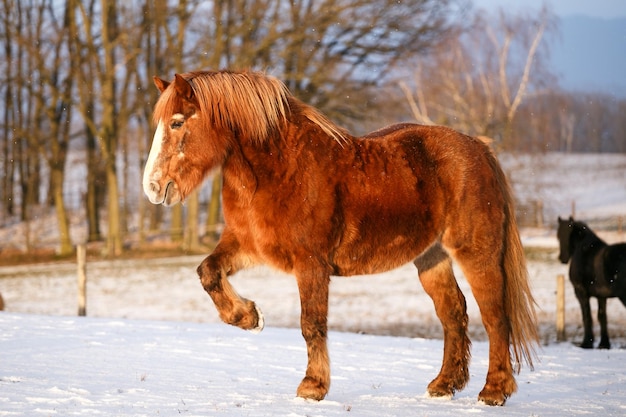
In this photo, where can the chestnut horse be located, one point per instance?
(302, 195)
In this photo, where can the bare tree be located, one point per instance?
(57, 104)
(7, 160)
(38, 106)
(477, 80)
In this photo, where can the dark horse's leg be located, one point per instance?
(214, 271)
(435, 273)
(604, 332)
(583, 299)
(313, 285)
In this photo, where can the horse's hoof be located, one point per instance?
(586, 345)
(492, 401)
(437, 389)
(439, 395)
(444, 388)
(312, 390)
(491, 398)
(260, 321)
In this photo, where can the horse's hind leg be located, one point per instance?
(436, 275)
(214, 271)
(483, 272)
(604, 332)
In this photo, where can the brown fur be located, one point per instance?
(303, 196)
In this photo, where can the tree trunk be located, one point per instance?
(94, 188)
(65, 242)
(108, 134)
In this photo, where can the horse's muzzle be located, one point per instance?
(167, 195)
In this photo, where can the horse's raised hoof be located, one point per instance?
(260, 323)
(311, 389)
(245, 315)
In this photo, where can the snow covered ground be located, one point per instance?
(70, 366)
(594, 183)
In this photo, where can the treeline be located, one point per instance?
(77, 90)
(491, 79)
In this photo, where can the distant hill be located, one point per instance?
(591, 54)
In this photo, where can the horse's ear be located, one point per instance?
(183, 88)
(160, 84)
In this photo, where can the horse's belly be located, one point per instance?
(361, 259)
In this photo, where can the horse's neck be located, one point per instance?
(590, 241)
(239, 181)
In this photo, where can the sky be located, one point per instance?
(592, 8)
(590, 54)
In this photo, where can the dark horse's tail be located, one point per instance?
(519, 302)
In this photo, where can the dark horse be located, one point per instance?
(597, 270)
(302, 195)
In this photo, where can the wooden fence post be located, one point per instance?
(560, 308)
(539, 213)
(81, 259)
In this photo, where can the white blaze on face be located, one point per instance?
(150, 173)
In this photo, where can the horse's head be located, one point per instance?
(183, 151)
(203, 117)
(563, 233)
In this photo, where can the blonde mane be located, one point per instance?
(250, 103)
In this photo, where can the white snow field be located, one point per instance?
(69, 366)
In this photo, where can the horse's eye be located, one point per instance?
(177, 124)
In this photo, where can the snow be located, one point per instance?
(594, 183)
(94, 366)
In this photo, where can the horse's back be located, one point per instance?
(435, 148)
(405, 186)
(465, 169)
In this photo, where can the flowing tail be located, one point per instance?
(519, 301)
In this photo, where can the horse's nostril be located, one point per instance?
(155, 187)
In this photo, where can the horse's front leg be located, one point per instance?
(214, 271)
(313, 287)
(585, 308)
(604, 332)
